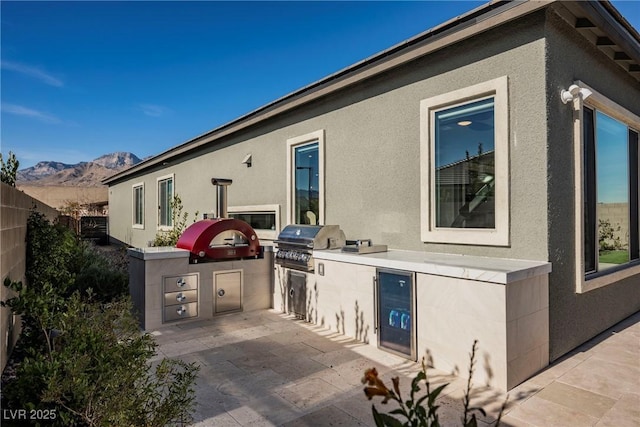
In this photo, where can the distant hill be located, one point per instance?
(84, 174)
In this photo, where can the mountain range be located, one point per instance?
(85, 174)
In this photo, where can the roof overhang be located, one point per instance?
(598, 21)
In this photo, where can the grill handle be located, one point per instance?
(375, 305)
(302, 245)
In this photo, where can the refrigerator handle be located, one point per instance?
(375, 304)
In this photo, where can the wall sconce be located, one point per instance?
(247, 160)
(572, 92)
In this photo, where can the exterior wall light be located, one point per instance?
(247, 160)
(573, 91)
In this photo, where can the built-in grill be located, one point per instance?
(220, 238)
(297, 242)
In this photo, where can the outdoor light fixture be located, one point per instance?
(247, 160)
(572, 92)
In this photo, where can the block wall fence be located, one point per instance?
(15, 207)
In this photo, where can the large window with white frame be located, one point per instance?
(464, 146)
(607, 172)
(138, 205)
(264, 219)
(165, 198)
(305, 179)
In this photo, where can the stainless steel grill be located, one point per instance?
(297, 242)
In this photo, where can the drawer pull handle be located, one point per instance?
(180, 297)
(181, 311)
(181, 282)
(221, 293)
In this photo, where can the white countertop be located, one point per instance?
(158, 252)
(483, 269)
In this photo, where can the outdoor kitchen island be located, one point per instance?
(455, 299)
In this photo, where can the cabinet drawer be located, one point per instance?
(180, 311)
(184, 282)
(182, 297)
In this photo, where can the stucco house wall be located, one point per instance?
(575, 317)
(372, 159)
(372, 150)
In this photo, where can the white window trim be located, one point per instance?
(133, 205)
(262, 233)
(601, 103)
(310, 138)
(173, 192)
(498, 236)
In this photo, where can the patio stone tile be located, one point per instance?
(334, 378)
(543, 413)
(603, 377)
(334, 358)
(509, 421)
(220, 371)
(624, 413)
(296, 368)
(292, 337)
(219, 420)
(577, 399)
(295, 350)
(323, 344)
(255, 361)
(329, 415)
(181, 348)
(308, 393)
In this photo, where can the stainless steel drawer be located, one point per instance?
(184, 282)
(180, 311)
(182, 297)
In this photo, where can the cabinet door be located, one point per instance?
(227, 291)
(395, 298)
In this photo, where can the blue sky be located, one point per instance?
(81, 79)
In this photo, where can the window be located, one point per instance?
(264, 219)
(305, 179)
(165, 197)
(138, 205)
(607, 202)
(464, 165)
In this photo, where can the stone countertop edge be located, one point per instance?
(483, 269)
(158, 252)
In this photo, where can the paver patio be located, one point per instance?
(267, 369)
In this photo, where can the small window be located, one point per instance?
(165, 197)
(305, 180)
(264, 219)
(464, 167)
(138, 205)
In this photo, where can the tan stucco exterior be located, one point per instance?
(372, 159)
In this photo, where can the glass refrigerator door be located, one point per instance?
(395, 296)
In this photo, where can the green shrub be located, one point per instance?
(84, 356)
(94, 371)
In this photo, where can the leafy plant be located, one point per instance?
(179, 220)
(84, 356)
(419, 411)
(9, 169)
(94, 371)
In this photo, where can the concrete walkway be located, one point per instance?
(267, 369)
